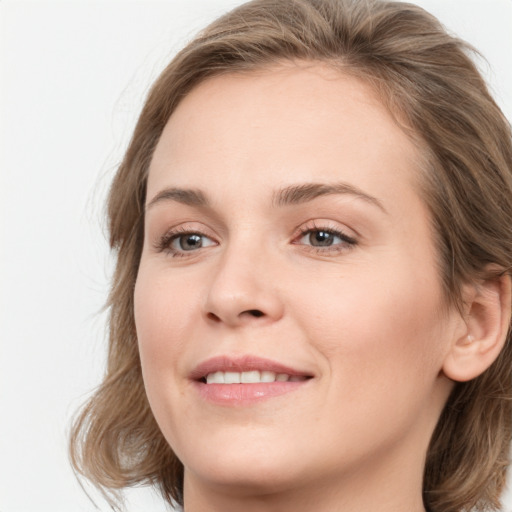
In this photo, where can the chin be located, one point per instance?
(262, 475)
(247, 465)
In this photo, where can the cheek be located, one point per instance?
(381, 339)
(371, 323)
(164, 313)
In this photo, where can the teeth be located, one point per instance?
(231, 378)
(249, 377)
(215, 378)
(268, 376)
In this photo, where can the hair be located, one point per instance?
(431, 85)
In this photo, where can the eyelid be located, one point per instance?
(347, 242)
(162, 242)
(325, 225)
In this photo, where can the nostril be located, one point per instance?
(245, 314)
(255, 312)
(213, 316)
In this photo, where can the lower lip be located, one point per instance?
(245, 394)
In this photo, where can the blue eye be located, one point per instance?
(189, 242)
(179, 243)
(319, 238)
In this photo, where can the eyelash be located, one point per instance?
(348, 242)
(164, 243)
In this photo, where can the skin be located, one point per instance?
(367, 320)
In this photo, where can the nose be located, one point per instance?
(242, 290)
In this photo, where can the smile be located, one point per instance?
(251, 377)
(245, 380)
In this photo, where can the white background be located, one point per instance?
(73, 78)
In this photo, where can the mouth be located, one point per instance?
(244, 380)
(250, 377)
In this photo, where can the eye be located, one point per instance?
(325, 239)
(179, 242)
(320, 238)
(189, 242)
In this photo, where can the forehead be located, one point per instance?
(288, 123)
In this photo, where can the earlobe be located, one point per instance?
(486, 329)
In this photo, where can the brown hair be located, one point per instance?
(433, 88)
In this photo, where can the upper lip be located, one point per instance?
(244, 363)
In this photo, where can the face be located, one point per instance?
(287, 247)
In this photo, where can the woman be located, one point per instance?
(311, 304)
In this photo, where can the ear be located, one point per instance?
(487, 319)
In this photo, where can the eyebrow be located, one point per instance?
(293, 194)
(297, 194)
(187, 196)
